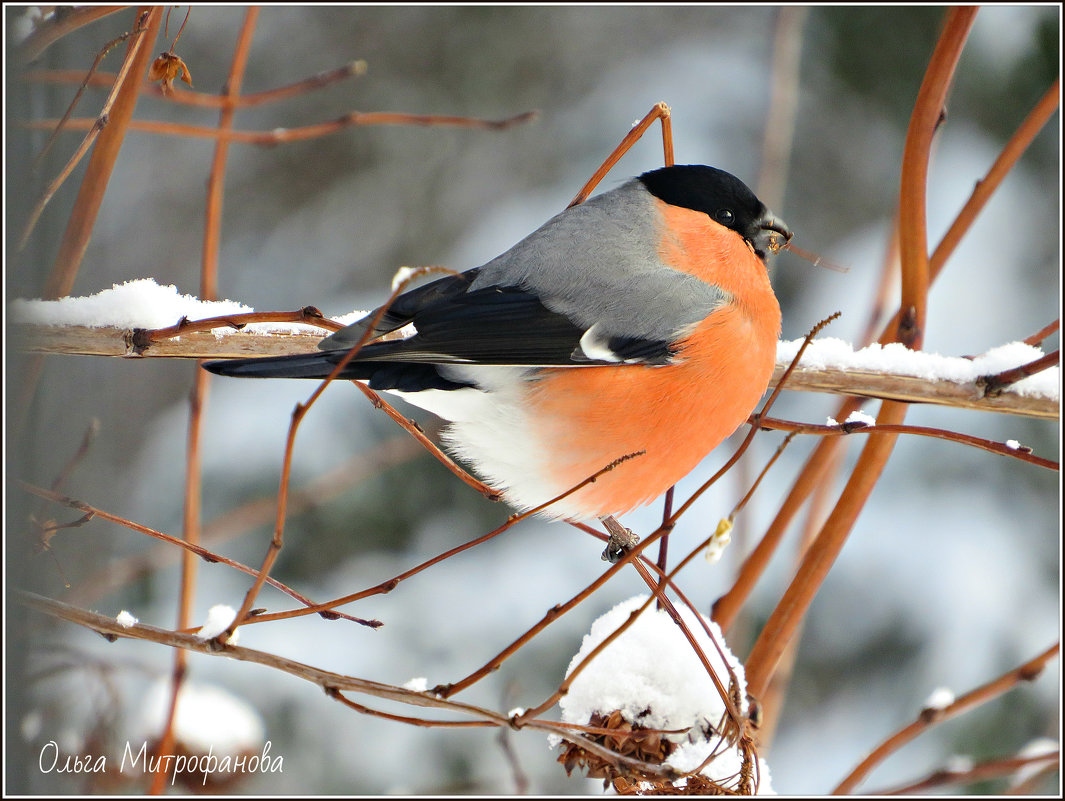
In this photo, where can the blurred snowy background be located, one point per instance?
(950, 577)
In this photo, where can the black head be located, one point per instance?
(721, 196)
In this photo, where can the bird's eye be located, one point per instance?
(725, 216)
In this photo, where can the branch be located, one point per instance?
(911, 389)
(332, 683)
(207, 345)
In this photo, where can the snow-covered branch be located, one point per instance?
(125, 321)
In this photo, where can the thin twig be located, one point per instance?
(994, 384)
(550, 617)
(143, 338)
(107, 48)
(281, 136)
(1011, 153)
(930, 717)
(203, 553)
(240, 520)
(843, 429)
(660, 111)
(387, 585)
(982, 772)
(663, 545)
(204, 100)
(416, 431)
(1043, 333)
(659, 596)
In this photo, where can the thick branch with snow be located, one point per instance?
(106, 324)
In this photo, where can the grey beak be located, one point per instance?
(770, 235)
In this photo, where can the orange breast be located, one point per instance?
(676, 413)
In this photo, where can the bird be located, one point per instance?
(640, 323)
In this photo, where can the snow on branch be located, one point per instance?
(142, 319)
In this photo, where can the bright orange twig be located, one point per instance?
(727, 607)
(201, 381)
(817, 561)
(95, 127)
(101, 163)
(659, 112)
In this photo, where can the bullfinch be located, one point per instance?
(641, 321)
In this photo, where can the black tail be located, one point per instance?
(402, 376)
(304, 365)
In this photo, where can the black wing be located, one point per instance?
(403, 309)
(500, 325)
(492, 325)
